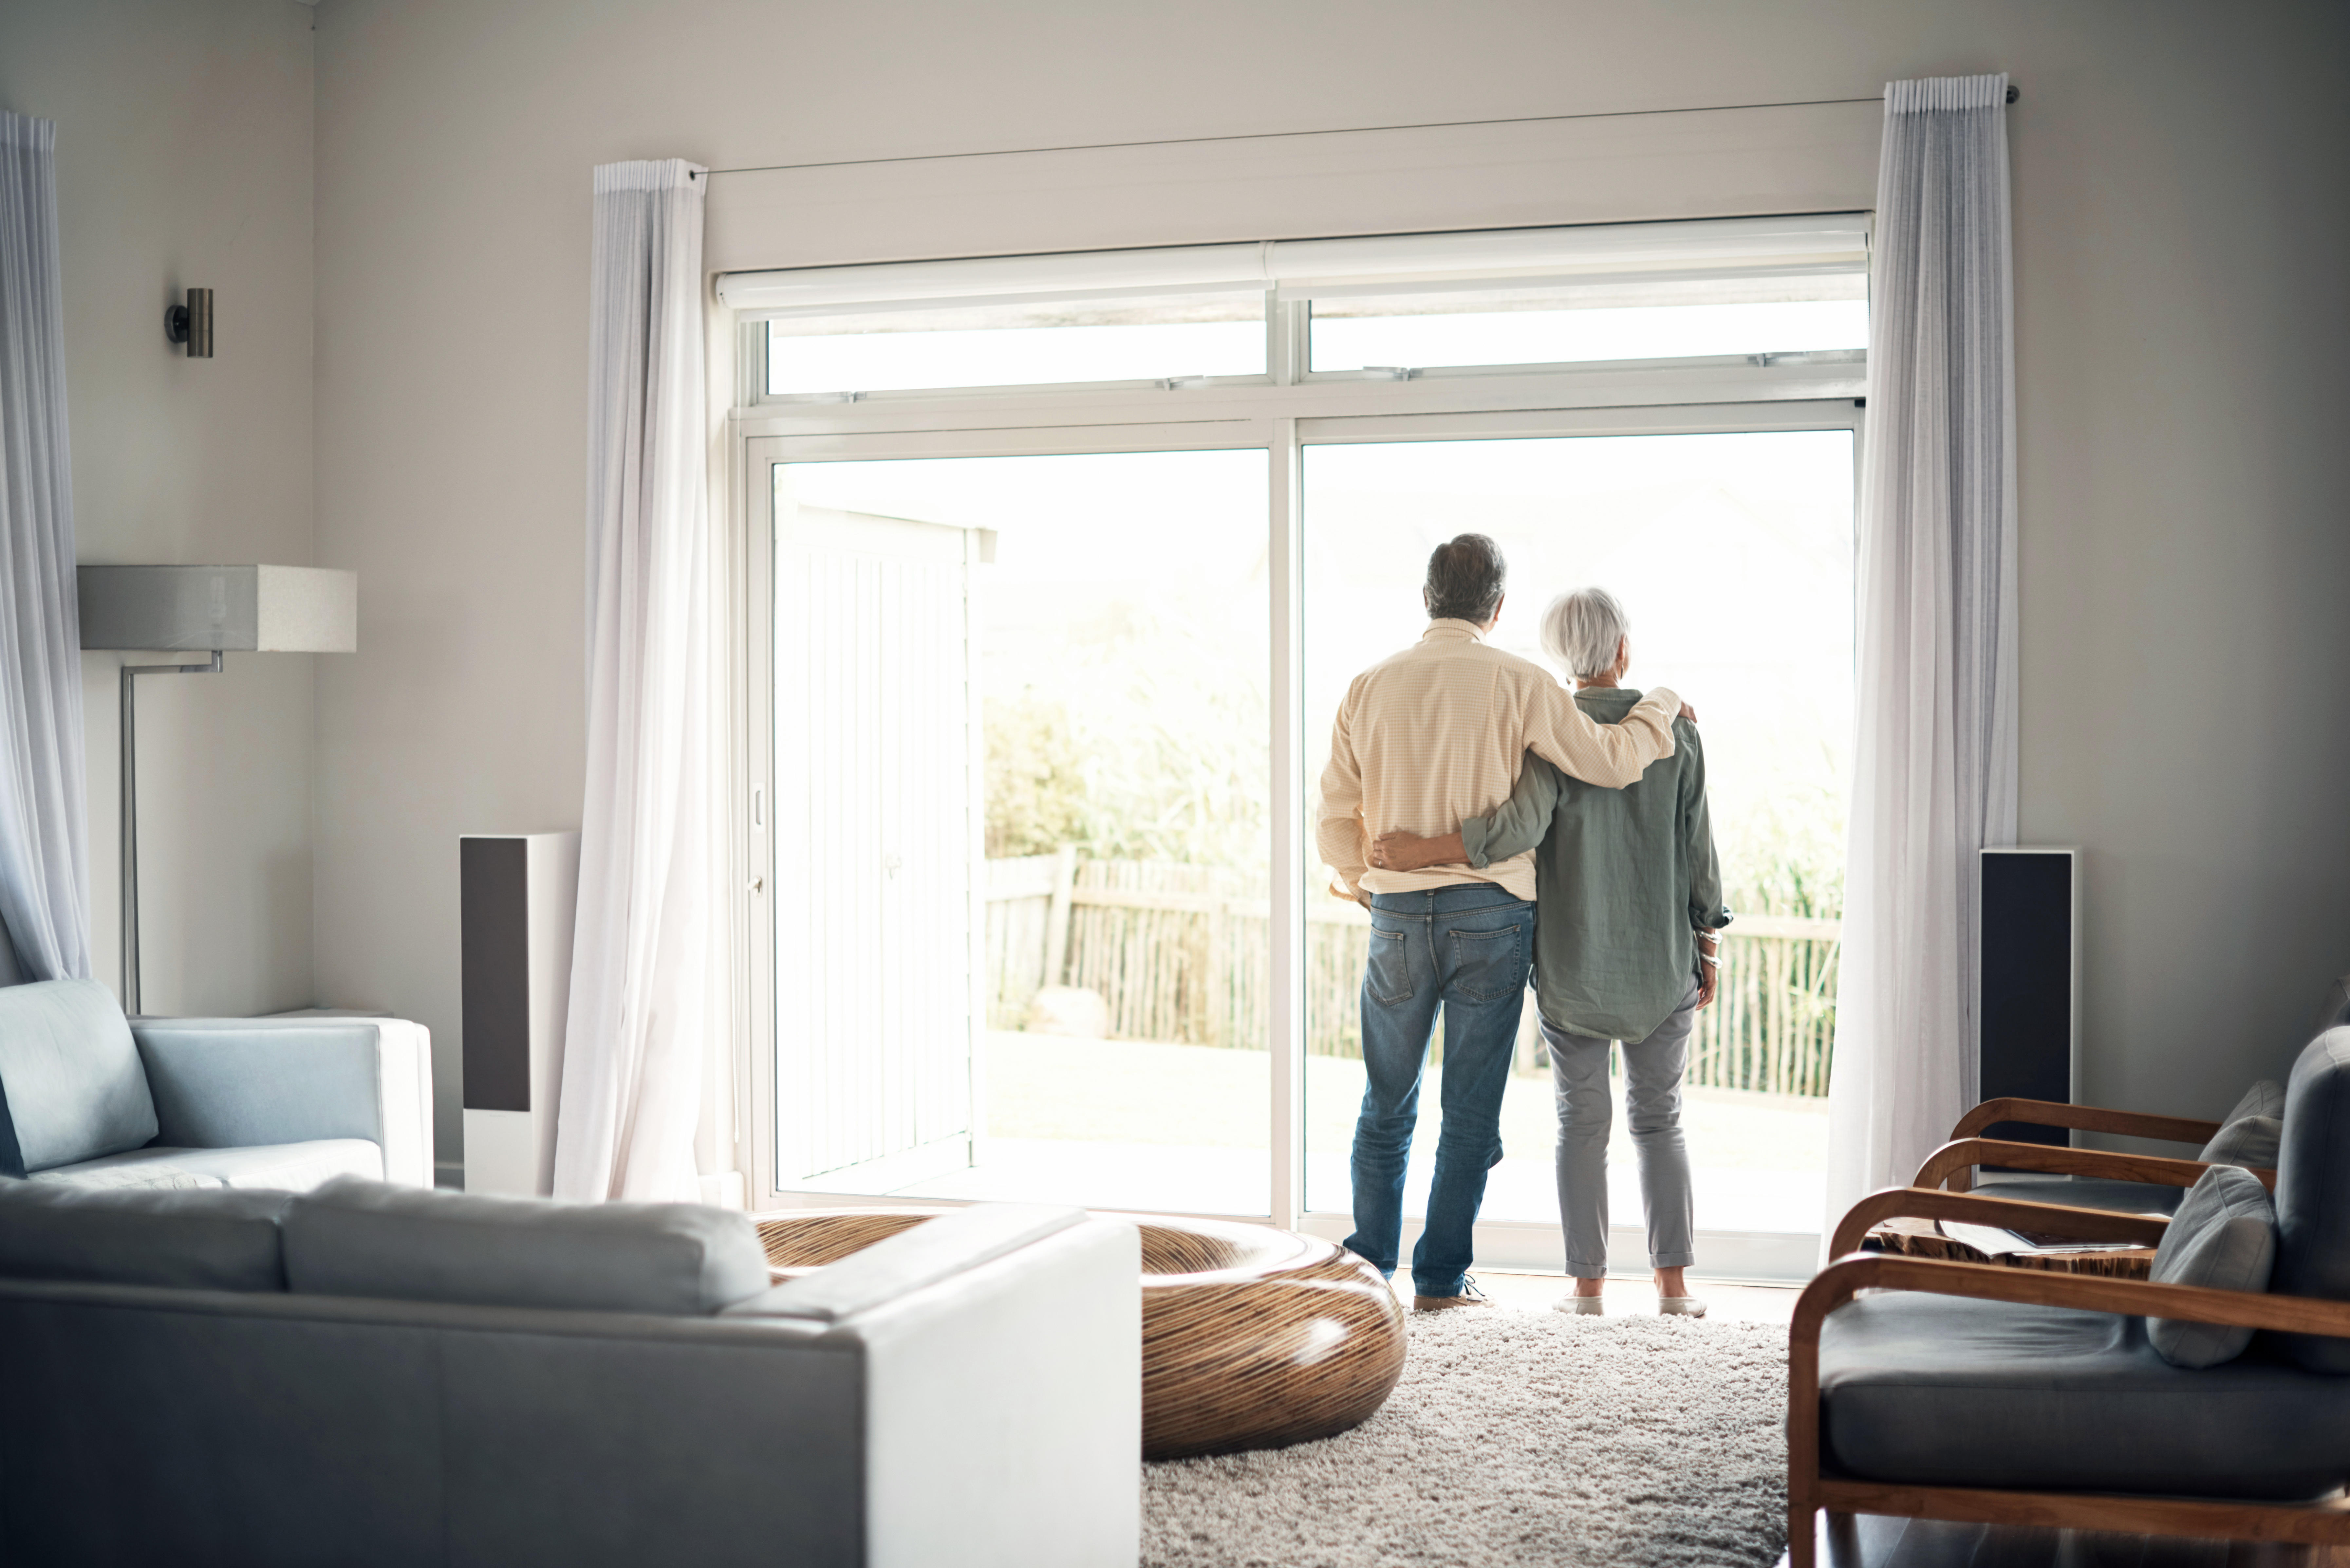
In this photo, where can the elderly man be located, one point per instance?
(1425, 739)
(1630, 898)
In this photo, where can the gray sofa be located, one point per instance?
(365, 1373)
(89, 1099)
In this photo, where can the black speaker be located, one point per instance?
(2029, 1004)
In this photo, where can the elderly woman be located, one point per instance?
(1629, 896)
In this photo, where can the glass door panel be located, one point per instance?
(1732, 556)
(1022, 907)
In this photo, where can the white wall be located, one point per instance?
(2180, 222)
(184, 157)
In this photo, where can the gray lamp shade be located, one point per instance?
(235, 610)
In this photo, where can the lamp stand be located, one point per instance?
(130, 1004)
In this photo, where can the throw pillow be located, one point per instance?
(2249, 1141)
(77, 1089)
(2224, 1238)
(2265, 1098)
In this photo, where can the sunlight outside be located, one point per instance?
(1559, 326)
(1732, 555)
(1118, 642)
(1170, 336)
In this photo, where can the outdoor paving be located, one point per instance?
(1118, 1124)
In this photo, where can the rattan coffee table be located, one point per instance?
(1251, 1337)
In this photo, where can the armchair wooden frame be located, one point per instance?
(1810, 1489)
(2080, 1119)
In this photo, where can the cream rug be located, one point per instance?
(1514, 1437)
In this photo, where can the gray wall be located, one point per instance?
(184, 157)
(2180, 222)
(2180, 217)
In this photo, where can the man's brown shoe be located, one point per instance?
(1470, 1296)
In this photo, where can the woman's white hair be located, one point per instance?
(1580, 631)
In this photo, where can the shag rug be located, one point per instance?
(1514, 1437)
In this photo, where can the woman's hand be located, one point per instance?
(1709, 967)
(1411, 852)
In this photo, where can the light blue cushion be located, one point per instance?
(270, 1167)
(2224, 1238)
(75, 1087)
(356, 1238)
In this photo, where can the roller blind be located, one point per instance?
(1309, 269)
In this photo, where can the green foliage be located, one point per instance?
(1035, 779)
(1785, 856)
(1150, 746)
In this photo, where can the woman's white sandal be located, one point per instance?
(1681, 1306)
(1577, 1304)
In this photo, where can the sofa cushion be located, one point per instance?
(212, 1241)
(280, 1167)
(2248, 1141)
(359, 1238)
(71, 1074)
(2224, 1239)
(1942, 1391)
(2312, 1194)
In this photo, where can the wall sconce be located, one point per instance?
(191, 322)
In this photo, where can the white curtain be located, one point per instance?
(641, 960)
(44, 829)
(1935, 752)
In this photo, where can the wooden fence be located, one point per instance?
(1180, 952)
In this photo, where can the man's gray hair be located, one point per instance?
(1580, 631)
(1465, 579)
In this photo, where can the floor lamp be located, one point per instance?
(212, 610)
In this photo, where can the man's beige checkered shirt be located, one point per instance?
(1434, 734)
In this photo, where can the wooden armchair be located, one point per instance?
(1814, 1484)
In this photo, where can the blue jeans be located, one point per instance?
(1468, 947)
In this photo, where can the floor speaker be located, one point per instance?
(518, 895)
(2029, 974)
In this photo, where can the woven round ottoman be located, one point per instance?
(1251, 1337)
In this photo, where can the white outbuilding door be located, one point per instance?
(875, 849)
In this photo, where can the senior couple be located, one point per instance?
(1491, 822)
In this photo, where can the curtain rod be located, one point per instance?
(2013, 94)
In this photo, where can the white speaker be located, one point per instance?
(518, 895)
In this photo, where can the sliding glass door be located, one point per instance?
(1733, 555)
(1054, 571)
(1021, 734)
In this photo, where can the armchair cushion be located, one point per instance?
(1944, 1391)
(2249, 1141)
(2224, 1237)
(2312, 1194)
(2084, 1192)
(186, 1240)
(358, 1238)
(281, 1167)
(71, 1075)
